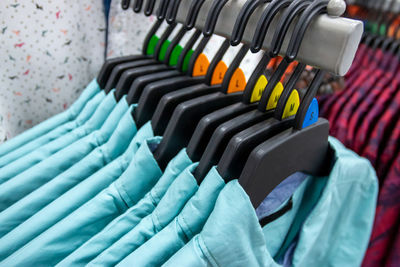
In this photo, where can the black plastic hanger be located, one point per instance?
(149, 7)
(221, 136)
(194, 9)
(187, 114)
(209, 123)
(140, 83)
(212, 17)
(129, 75)
(125, 4)
(168, 102)
(266, 18)
(153, 93)
(243, 18)
(240, 146)
(109, 64)
(297, 148)
(120, 68)
(137, 6)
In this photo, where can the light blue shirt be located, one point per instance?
(127, 221)
(101, 156)
(40, 153)
(63, 238)
(63, 129)
(39, 174)
(180, 191)
(48, 125)
(178, 232)
(335, 233)
(69, 201)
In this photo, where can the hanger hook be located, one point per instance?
(306, 18)
(295, 8)
(212, 17)
(137, 5)
(149, 7)
(243, 18)
(172, 11)
(125, 4)
(194, 10)
(162, 9)
(263, 24)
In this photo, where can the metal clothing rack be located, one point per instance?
(330, 43)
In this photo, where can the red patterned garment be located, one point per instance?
(366, 97)
(366, 118)
(363, 132)
(384, 246)
(346, 102)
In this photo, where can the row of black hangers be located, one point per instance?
(383, 17)
(253, 135)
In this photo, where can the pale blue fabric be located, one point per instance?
(335, 233)
(65, 128)
(180, 191)
(72, 199)
(39, 174)
(124, 223)
(63, 238)
(89, 123)
(177, 233)
(98, 158)
(48, 125)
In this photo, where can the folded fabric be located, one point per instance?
(93, 122)
(65, 128)
(69, 201)
(177, 233)
(180, 191)
(39, 174)
(48, 125)
(127, 221)
(101, 156)
(335, 233)
(63, 238)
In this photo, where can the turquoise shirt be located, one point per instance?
(63, 238)
(180, 191)
(39, 174)
(48, 125)
(124, 223)
(177, 233)
(66, 203)
(30, 159)
(101, 156)
(335, 233)
(63, 129)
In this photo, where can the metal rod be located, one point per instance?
(330, 43)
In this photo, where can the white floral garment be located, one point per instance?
(49, 51)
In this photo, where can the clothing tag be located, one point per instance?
(186, 60)
(312, 114)
(219, 73)
(237, 82)
(163, 50)
(275, 95)
(292, 105)
(201, 65)
(152, 45)
(173, 60)
(259, 89)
